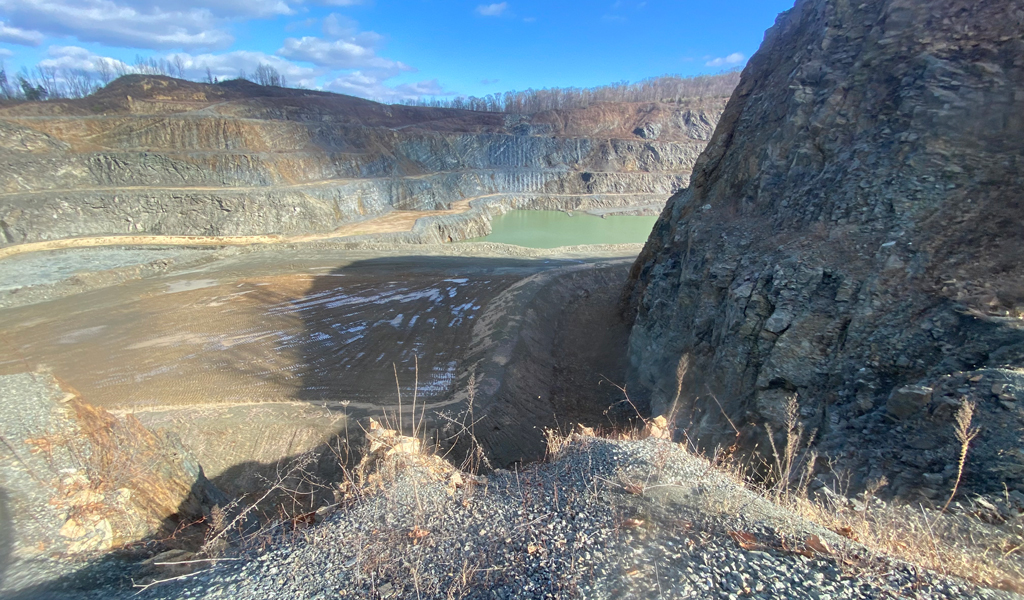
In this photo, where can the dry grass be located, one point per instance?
(960, 546)
(957, 545)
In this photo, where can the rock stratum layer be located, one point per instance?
(163, 156)
(851, 241)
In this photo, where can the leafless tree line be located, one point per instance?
(50, 82)
(668, 88)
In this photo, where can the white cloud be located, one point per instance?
(492, 10)
(120, 24)
(339, 26)
(5, 53)
(230, 64)
(371, 85)
(725, 61)
(336, 54)
(344, 47)
(15, 35)
(154, 24)
(343, 2)
(73, 57)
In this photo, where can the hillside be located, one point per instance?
(850, 246)
(156, 155)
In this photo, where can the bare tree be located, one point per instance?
(104, 71)
(267, 75)
(179, 66)
(209, 76)
(5, 87)
(669, 88)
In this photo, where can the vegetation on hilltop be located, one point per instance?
(667, 88)
(53, 83)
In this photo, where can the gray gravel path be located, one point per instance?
(572, 528)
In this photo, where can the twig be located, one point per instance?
(145, 587)
(188, 562)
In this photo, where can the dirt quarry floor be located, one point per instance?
(256, 356)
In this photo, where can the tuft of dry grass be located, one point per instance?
(954, 545)
(965, 434)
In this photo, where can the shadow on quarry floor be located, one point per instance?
(543, 338)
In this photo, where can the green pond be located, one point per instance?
(552, 228)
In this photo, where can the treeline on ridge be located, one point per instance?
(53, 83)
(667, 88)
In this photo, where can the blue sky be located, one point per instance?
(390, 49)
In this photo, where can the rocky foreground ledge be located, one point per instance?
(602, 518)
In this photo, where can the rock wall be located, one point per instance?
(169, 160)
(852, 231)
(76, 479)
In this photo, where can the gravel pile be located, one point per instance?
(608, 519)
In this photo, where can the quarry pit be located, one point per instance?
(253, 356)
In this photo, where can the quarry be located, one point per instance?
(267, 342)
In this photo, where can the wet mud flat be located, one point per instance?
(253, 358)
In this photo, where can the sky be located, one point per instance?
(395, 50)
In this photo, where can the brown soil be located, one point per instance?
(263, 356)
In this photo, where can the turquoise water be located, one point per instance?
(551, 229)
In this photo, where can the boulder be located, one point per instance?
(907, 400)
(648, 131)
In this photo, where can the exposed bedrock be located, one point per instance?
(253, 165)
(76, 479)
(851, 241)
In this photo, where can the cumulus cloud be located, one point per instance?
(120, 24)
(492, 10)
(343, 47)
(371, 85)
(154, 24)
(80, 59)
(726, 61)
(15, 35)
(230, 64)
(336, 54)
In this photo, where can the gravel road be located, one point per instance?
(608, 519)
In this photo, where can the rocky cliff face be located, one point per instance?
(164, 156)
(851, 242)
(76, 479)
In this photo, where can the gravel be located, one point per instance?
(608, 519)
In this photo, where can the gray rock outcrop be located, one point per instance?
(76, 479)
(852, 228)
